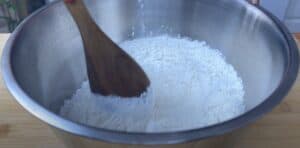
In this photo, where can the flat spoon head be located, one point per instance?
(111, 71)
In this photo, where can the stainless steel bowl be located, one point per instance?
(43, 61)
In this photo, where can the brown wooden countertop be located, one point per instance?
(278, 129)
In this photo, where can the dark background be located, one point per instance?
(12, 12)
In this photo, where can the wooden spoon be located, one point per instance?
(110, 70)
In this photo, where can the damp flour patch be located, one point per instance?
(192, 86)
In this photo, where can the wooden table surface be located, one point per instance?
(278, 129)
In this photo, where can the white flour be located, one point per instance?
(192, 86)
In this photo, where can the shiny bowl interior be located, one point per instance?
(43, 62)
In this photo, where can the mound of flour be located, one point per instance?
(192, 86)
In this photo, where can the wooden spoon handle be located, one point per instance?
(89, 33)
(110, 69)
(81, 16)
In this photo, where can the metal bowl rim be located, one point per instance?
(68, 126)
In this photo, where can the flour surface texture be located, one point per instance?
(192, 86)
